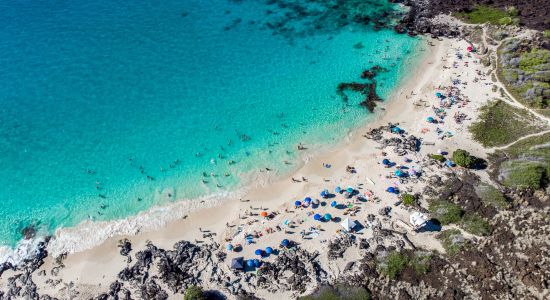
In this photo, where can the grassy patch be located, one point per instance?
(481, 14)
(491, 196)
(452, 241)
(475, 224)
(420, 262)
(194, 293)
(445, 211)
(437, 157)
(500, 124)
(339, 292)
(523, 174)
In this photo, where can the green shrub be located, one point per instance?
(408, 199)
(394, 264)
(475, 224)
(452, 241)
(546, 33)
(463, 158)
(445, 211)
(439, 158)
(194, 293)
(484, 14)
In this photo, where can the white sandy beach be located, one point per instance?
(90, 270)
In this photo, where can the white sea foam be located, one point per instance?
(25, 249)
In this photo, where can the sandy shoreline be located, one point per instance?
(91, 269)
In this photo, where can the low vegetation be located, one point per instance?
(481, 14)
(526, 164)
(500, 124)
(395, 262)
(525, 70)
(437, 157)
(408, 199)
(476, 225)
(194, 293)
(491, 196)
(339, 292)
(452, 241)
(445, 211)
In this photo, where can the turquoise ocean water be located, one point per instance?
(103, 104)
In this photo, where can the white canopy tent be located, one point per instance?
(418, 220)
(348, 224)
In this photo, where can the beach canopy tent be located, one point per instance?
(386, 161)
(229, 247)
(297, 203)
(317, 217)
(418, 219)
(333, 204)
(237, 263)
(258, 252)
(348, 224)
(268, 250)
(285, 243)
(263, 214)
(327, 217)
(450, 163)
(338, 189)
(349, 189)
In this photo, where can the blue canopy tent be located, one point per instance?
(268, 250)
(237, 263)
(317, 217)
(327, 217)
(285, 243)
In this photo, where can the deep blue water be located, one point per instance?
(105, 104)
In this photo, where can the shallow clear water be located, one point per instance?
(96, 96)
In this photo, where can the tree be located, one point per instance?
(463, 158)
(408, 199)
(194, 293)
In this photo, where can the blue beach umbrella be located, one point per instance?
(333, 204)
(324, 193)
(349, 189)
(285, 243)
(338, 189)
(317, 217)
(297, 203)
(257, 263)
(438, 95)
(328, 217)
(398, 173)
(258, 252)
(386, 161)
(391, 189)
(268, 250)
(307, 200)
(250, 263)
(229, 247)
(430, 120)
